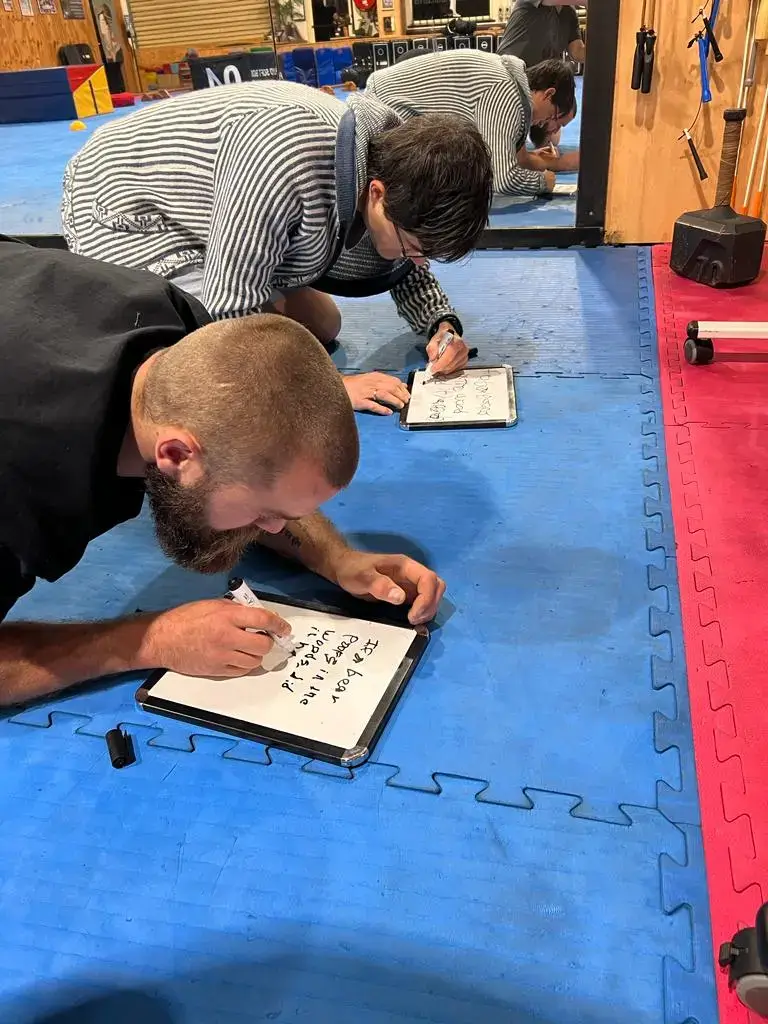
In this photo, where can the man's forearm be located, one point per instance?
(40, 658)
(420, 300)
(314, 541)
(531, 161)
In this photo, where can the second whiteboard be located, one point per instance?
(483, 396)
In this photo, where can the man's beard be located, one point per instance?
(181, 529)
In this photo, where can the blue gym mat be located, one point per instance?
(543, 626)
(525, 844)
(571, 312)
(222, 891)
(33, 157)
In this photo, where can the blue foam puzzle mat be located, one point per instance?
(33, 158)
(183, 893)
(32, 162)
(572, 311)
(540, 673)
(689, 988)
(534, 211)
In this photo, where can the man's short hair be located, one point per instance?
(257, 393)
(557, 75)
(436, 170)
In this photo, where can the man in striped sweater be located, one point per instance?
(271, 196)
(498, 95)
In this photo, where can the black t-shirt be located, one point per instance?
(72, 335)
(535, 33)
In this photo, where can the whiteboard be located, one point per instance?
(327, 692)
(565, 188)
(481, 396)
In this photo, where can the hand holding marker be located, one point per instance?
(240, 592)
(448, 338)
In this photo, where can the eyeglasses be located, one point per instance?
(416, 255)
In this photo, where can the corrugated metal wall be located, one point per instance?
(185, 23)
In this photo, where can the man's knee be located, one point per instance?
(329, 327)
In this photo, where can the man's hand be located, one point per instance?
(456, 355)
(394, 579)
(376, 392)
(210, 638)
(549, 180)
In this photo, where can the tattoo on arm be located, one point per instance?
(291, 538)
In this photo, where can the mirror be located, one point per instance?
(537, 171)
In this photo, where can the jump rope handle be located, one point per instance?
(706, 92)
(696, 158)
(637, 66)
(648, 59)
(712, 40)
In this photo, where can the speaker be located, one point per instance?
(486, 43)
(382, 55)
(421, 44)
(399, 47)
(441, 43)
(462, 43)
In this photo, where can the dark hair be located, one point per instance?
(436, 170)
(557, 75)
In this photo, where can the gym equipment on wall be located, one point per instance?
(645, 45)
(752, 202)
(748, 65)
(706, 41)
(748, 203)
(720, 247)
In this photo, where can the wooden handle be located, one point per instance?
(734, 122)
(761, 23)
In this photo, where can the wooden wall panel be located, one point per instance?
(34, 42)
(652, 177)
(199, 23)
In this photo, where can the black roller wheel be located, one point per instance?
(699, 353)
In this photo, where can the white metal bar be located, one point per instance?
(733, 329)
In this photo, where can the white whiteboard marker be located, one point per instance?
(448, 338)
(240, 591)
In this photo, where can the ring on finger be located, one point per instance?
(374, 396)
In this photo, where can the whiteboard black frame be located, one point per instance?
(353, 757)
(466, 424)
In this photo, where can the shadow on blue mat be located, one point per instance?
(268, 986)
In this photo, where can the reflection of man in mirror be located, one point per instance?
(540, 29)
(499, 95)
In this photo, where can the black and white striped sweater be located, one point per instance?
(489, 90)
(256, 183)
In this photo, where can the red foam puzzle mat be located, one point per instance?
(716, 430)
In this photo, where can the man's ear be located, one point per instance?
(179, 456)
(376, 190)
